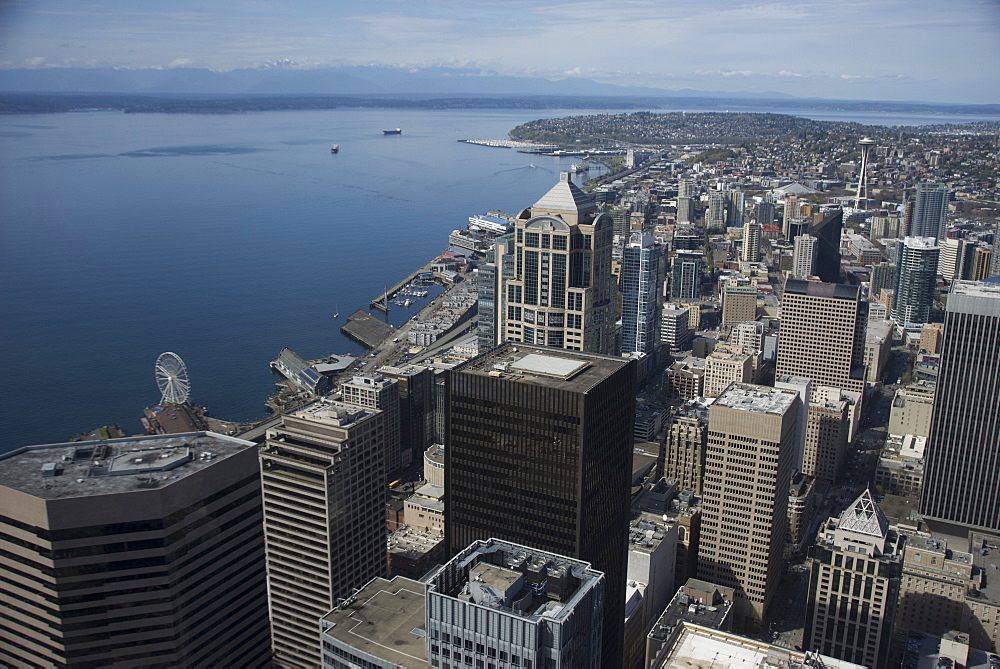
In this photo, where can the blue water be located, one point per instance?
(221, 238)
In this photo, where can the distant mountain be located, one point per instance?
(373, 80)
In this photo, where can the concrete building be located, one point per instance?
(748, 466)
(803, 500)
(652, 557)
(804, 257)
(563, 291)
(693, 645)
(739, 304)
(822, 317)
(979, 264)
(696, 603)
(715, 215)
(882, 275)
(684, 444)
(951, 260)
(930, 209)
(413, 553)
(685, 379)
(945, 589)
(377, 392)
(748, 335)
(675, 331)
(424, 509)
(725, 365)
(528, 430)
(962, 481)
(827, 432)
(878, 348)
(900, 469)
(685, 275)
(930, 338)
(434, 465)
(514, 606)
(911, 410)
(324, 518)
(854, 585)
(136, 552)
(373, 628)
(753, 236)
(640, 284)
(916, 280)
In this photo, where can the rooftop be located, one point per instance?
(566, 196)
(986, 556)
(84, 468)
(384, 619)
(331, 411)
(758, 399)
(556, 368)
(839, 291)
(518, 580)
(412, 541)
(701, 648)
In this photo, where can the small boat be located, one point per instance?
(397, 131)
(335, 148)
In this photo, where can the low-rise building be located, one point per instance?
(911, 409)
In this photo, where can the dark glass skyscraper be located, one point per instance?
(827, 246)
(538, 452)
(962, 470)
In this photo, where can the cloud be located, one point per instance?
(180, 62)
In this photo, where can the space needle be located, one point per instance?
(865, 145)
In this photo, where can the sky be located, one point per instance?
(921, 50)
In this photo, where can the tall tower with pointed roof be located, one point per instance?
(562, 294)
(854, 585)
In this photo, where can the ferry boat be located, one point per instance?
(334, 148)
(397, 131)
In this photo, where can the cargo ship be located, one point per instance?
(397, 131)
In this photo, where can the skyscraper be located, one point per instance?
(854, 585)
(827, 247)
(752, 436)
(137, 552)
(685, 276)
(804, 256)
(715, 215)
(562, 291)
(324, 518)
(962, 458)
(930, 207)
(737, 204)
(765, 211)
(538, 452)
(752, 237)
(640, 295)
(822, 317)
(378, 392)
(916, 280)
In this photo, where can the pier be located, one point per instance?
(381, 302)
(365, 329)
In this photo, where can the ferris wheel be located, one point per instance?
(172, 378)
